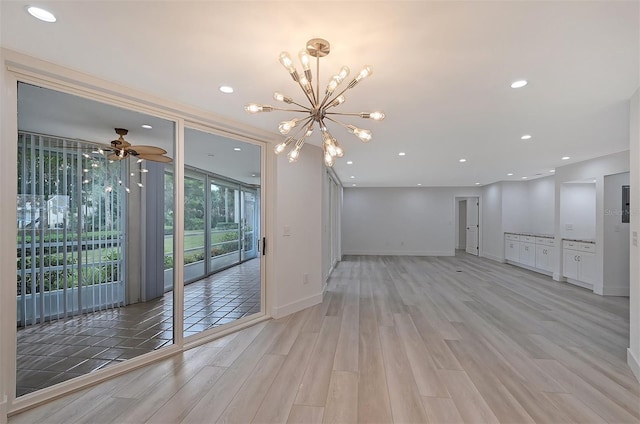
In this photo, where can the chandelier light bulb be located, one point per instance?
(328, 160)
(306, 84)
(333, 84)
(253, 108)
(364, 135)
(286, 61)
(364, 73)
(280, 148)
(309, 131)
(304, 59)
(344, 72)
(377, 116)
(286, 126)
(282, 98)
(329, 147)
(338, 101)
(293, 155)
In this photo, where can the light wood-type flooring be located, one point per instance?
(397, 339)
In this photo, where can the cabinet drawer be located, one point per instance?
(545, 241)
(573, 245)
(528, 239)
(587, 247)
(512, 237)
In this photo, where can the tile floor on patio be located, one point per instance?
(53, 352)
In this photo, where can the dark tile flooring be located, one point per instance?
(60, 350)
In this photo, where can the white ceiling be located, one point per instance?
(442, 72)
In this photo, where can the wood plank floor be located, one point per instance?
(397, 339)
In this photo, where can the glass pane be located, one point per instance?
(230, 287)
(194, 228)
(90, 290)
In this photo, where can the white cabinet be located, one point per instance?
(579, 261)
(532, 252)
(527, 251)
(545, 254)
(512, 247)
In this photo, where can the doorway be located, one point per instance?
(468, 224)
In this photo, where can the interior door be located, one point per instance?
(472, 226)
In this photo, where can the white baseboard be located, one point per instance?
(633, 363)
(615, 291)
(580, 284)
(557, 276)
(3, 410)
(530, 268)
(298, 305)
(493, 258)
(397, 253)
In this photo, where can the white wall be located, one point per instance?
(633, 354)
(492, 239)
(401, 221)
(615, 278)
(297, 241)
(515, 207)
(542, 205)
(578, 211)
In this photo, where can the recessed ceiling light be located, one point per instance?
(519, 84)
(43, 15)
(509, 174)
(146, 126)
(402, 154)
(253, 175)
(353, 176)
(526, 137)
(350, 162)
(565, 158)
(463, 160)
(226, 89)
(419, 184)
(477, 183)
(353, 185)
(552, 170)
(524, 178)
(237, 149)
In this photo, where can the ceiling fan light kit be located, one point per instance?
(321, 107)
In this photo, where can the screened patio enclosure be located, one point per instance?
(70, 230)
(95, 238)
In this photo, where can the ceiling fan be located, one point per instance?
(122, 148)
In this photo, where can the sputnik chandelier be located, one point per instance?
(321, 109)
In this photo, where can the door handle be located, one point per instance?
(264, 246)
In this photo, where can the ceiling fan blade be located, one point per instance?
(155, 158)
(146, 150)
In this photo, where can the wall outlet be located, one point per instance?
(286, 231)
(305, 278)
(568, 227)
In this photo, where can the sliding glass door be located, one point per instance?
(92, 222)
(222, 228)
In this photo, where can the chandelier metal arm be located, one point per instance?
(336, 121)
(303, 126)
(311, 100)
(306, 110)
(332, 98)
